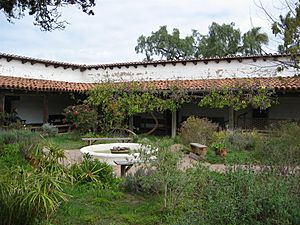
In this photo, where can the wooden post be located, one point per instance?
(231, 118)
(45, 109)
(2, 102)
(174, 124)
(131, 123)
(123, 170)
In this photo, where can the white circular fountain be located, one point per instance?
(103, 153)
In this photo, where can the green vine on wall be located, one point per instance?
(118, 101)
(239, 98)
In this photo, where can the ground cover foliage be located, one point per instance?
(36, 189)
(33, 182)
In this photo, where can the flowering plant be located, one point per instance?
(82, 117)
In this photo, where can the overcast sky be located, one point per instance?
(110, 35)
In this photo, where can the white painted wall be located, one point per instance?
(212, 70)
(30, 108)
(190, 71)
(15, 68)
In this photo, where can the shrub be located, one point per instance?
(241, 197)
(10, 121)
(28, 195)
(82, 117)
(10, 156)
(25, 139)
(282, 149)
(49, 130)
(93, 171)
(197, 130)
(134, 183)
(239, 140)
(161, 175)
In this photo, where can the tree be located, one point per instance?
(288, 29)
(253, 41)
(221, 40)
(46, 12)
(165, 45)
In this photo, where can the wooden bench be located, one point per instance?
(126, 165)
(91, 141)
(62, 128)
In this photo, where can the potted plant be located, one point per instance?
(219, 148)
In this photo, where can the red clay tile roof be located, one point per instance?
(19, 83)
(277, 83)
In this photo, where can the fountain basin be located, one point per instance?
(102, 152)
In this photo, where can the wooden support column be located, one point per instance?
(174, 124)
(45, 109)
(2, 102)
(130, 123)
(231, 118)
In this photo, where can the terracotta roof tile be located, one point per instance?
(20, 83)
(277, 83)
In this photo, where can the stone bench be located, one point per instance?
(198, 149)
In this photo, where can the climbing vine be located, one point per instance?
(239, 98)
(118, 101)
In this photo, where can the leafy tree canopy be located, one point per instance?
(253, 41)
(288, 29)
(221, 40)
(46, 12)
(165, 45)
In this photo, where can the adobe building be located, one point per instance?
(40, 89)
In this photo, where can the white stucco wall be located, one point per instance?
(15, 68)
(189, 71)
(30, 108)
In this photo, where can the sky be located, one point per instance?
(111, 34)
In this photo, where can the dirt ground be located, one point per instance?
(75, 156)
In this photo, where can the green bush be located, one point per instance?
(49, 130)
(239, 140)
(136, 183)
(82, 117)
(282, 148)
(93, 171)
(28, 195)
(25, 138)
(10, 121)
(243, 197)
(10, 156)
(197, 130)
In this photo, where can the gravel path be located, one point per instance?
(75, 156)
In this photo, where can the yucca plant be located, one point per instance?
(91, 170)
